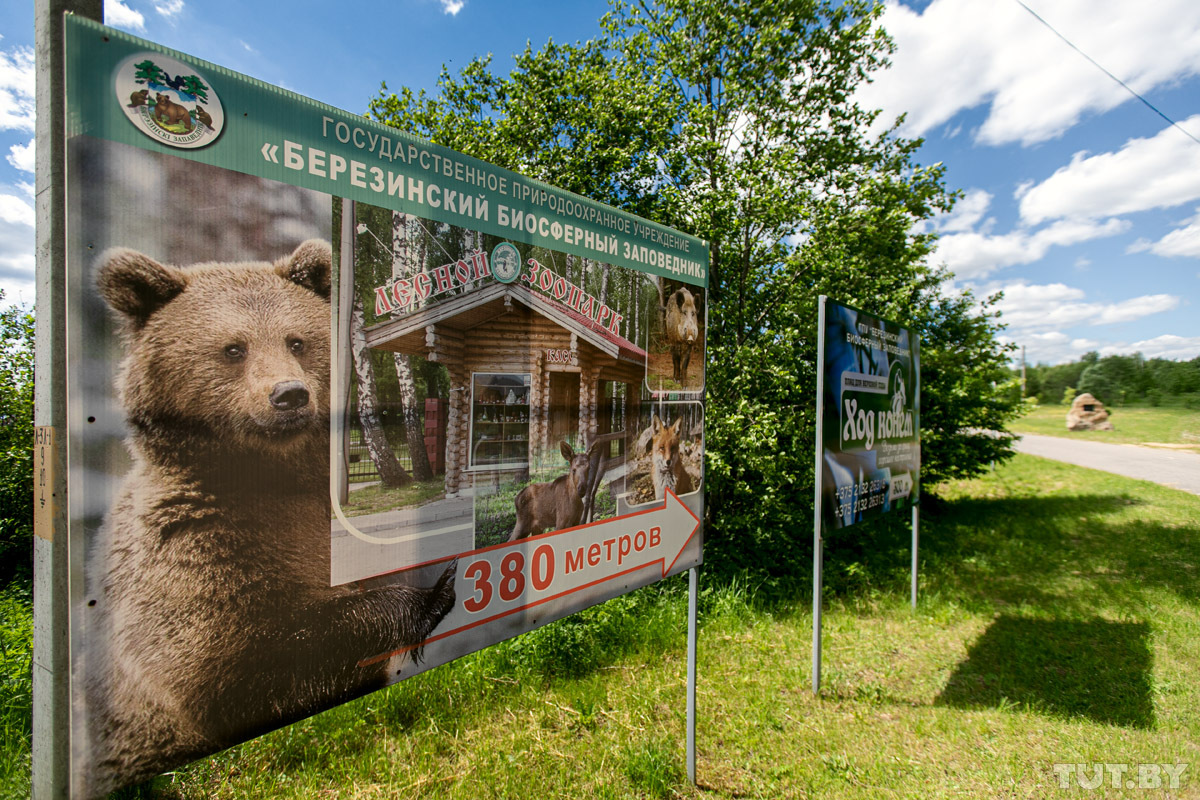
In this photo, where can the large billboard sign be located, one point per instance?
(869, 437)
(342, 405)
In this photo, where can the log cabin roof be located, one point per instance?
(407, 334)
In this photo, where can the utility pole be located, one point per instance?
(1022, 372)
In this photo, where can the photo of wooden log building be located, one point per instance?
(526, 372)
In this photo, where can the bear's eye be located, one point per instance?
(235, 352)
(296, 346)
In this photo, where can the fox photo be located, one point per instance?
(202, 606)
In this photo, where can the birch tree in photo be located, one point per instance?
(408, 258)
(470, 243)
(390, 471)
(631, 307)
(662, 301)
(637, 307)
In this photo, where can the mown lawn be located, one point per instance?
(378, 498)
(1163, 425)
(1059, 624)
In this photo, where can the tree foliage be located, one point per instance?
(16, 442)
(736, 122)
(1118, 379)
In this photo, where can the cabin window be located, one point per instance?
(499, 419)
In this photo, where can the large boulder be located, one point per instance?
(1087, 414)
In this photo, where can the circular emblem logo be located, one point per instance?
(505, 263)
(168, 100)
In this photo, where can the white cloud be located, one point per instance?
(976, 255)
(1038, 317)
(1053, 347)
(16, 249)
(15, 211)
(1058, 348)
(22, 156)
(967, 212)
(1157, 172)
(168, 8)
(1042, 309)
(119, 15)
(1135, 308)
(17, 107)
(1182, 242)
(1167, 345)
(960, 54)
(452, 7)
(1080, 202)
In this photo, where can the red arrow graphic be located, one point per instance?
(506, 579)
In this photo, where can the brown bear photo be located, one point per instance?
(213, 592)
(168, 112)
(204, 613)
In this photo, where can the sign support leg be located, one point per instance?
(818, 480)
(693, 592)
(818, 558)
(916, 517)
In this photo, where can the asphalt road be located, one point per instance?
(1179, 470)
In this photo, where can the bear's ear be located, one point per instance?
(136, 285)
(309, 266)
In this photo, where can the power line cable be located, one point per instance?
(1146, 102)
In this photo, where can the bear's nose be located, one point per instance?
(289, 395)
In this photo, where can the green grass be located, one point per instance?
(1178, 426)
(16, 663)
(379, 498)
(1059, 623)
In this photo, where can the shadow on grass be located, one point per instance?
(1095, 668)
(1038, 550)
(1065, 554)
(996, 535)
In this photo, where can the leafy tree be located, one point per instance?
(1057, 379)
(1113, 379)
(734, 121)
(148, 72)
(1119, 378)
(195, 87)
(16, 442)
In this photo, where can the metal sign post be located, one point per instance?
(916, 506)
(916, 517)
(693, 592)
(817, 475)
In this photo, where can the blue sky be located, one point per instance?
(1079, 202)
